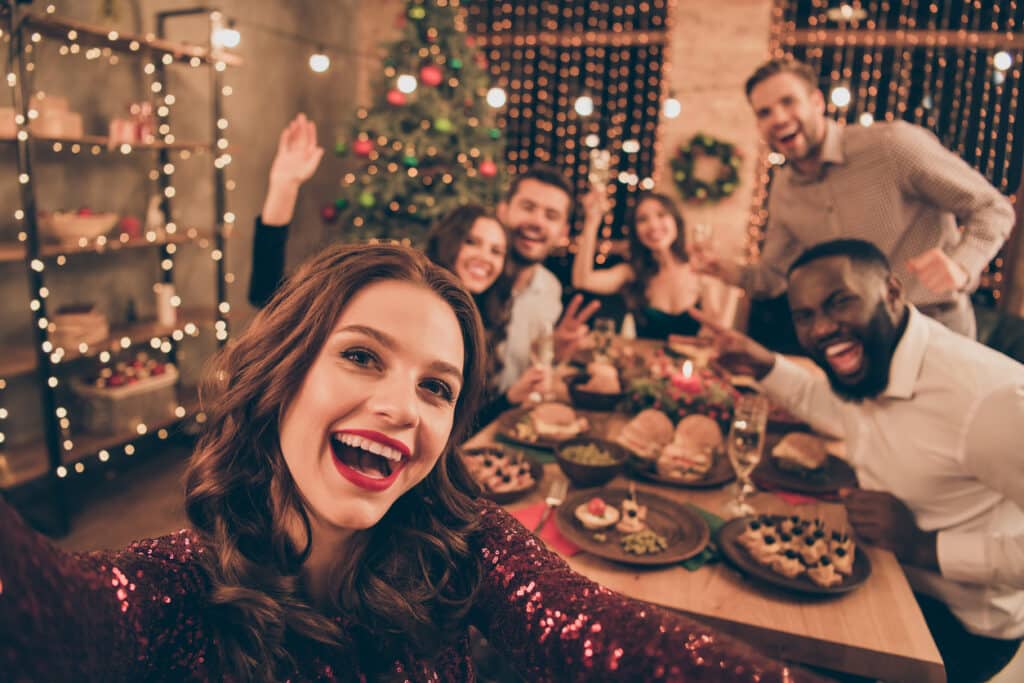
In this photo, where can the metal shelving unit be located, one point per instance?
(53, 458)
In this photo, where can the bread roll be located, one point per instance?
(647, 433)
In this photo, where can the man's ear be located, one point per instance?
(894, 295)
(818, 101)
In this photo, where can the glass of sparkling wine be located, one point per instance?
(600, 167)
(542, 355)
(744, 446)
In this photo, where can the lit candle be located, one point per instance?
(687, 381)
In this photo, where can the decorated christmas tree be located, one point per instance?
(429, 142)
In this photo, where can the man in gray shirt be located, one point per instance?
(937, 220)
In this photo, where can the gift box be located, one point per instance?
(120, 409)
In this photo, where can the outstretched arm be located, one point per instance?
(557, 625)
(110, 616)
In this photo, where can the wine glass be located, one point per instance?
(744, 446)
(604, 332)
(542, 355)
(600, 167)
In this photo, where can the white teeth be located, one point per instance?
(374, 447)
(837, 349)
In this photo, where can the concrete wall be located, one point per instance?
(713, 48)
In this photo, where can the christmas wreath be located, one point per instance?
(692, 187)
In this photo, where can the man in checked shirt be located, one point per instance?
(893, 184)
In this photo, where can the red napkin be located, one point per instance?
(794, 498)
(549, 533)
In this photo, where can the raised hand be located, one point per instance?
(572, 328)
(297, 158)
(736, 352)
(938, 272)
(595, 205)
(881, 519)
(705, 262)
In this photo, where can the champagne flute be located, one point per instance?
(604, 332)
(600, 167)
(744, 446)
(542, 355)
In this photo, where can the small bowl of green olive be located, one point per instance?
(589, 462)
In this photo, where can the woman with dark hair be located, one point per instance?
(336, 534)
(657, 282)
(471, 243)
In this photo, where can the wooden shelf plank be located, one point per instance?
(29, 461)
(13, 252)
(102, 141)
(99, 36)
(21, 359)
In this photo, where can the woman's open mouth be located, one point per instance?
(365, 462)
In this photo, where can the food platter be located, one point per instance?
(684, 531)
(505, 497)
(738, 556)
(835, 475)
(721, 473)
(514, 427)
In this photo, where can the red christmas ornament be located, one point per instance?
(470, 41)
(131, 226)
(481, 61)
(328, 213)
(488, 169)
(396, 98)
(431, 75)
(362, 147)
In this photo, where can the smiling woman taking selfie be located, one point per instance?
(335, 534)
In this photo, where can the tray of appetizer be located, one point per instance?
(794, 553)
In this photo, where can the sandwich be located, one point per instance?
(646, 434)
(556, 421)
(604, 379)
(800, 453)
(698, 432)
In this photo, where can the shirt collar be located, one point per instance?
(831, 152)
(906, 363)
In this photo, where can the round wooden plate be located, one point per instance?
(738, 556)
(721, 473)
(685, 531)
(836, 475)
(507, 430)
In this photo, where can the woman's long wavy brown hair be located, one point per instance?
(406, 583)
(641, 259)
(445, 239)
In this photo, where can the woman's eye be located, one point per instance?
(439, 389)
(360, 357)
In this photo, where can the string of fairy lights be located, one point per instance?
(580, 78)
(952, 67)
(94, 44)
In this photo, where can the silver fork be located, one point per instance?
(556, 494)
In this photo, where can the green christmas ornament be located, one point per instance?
(410, 161)
(443, 124)
(340, 203)
(494, 133)
(416, 13)
(455, 63)
(366, 199)
(341, 148)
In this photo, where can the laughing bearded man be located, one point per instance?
(933, 424)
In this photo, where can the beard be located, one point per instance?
(519, 258)
(878, 340)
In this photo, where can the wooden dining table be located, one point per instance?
(876, 631)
